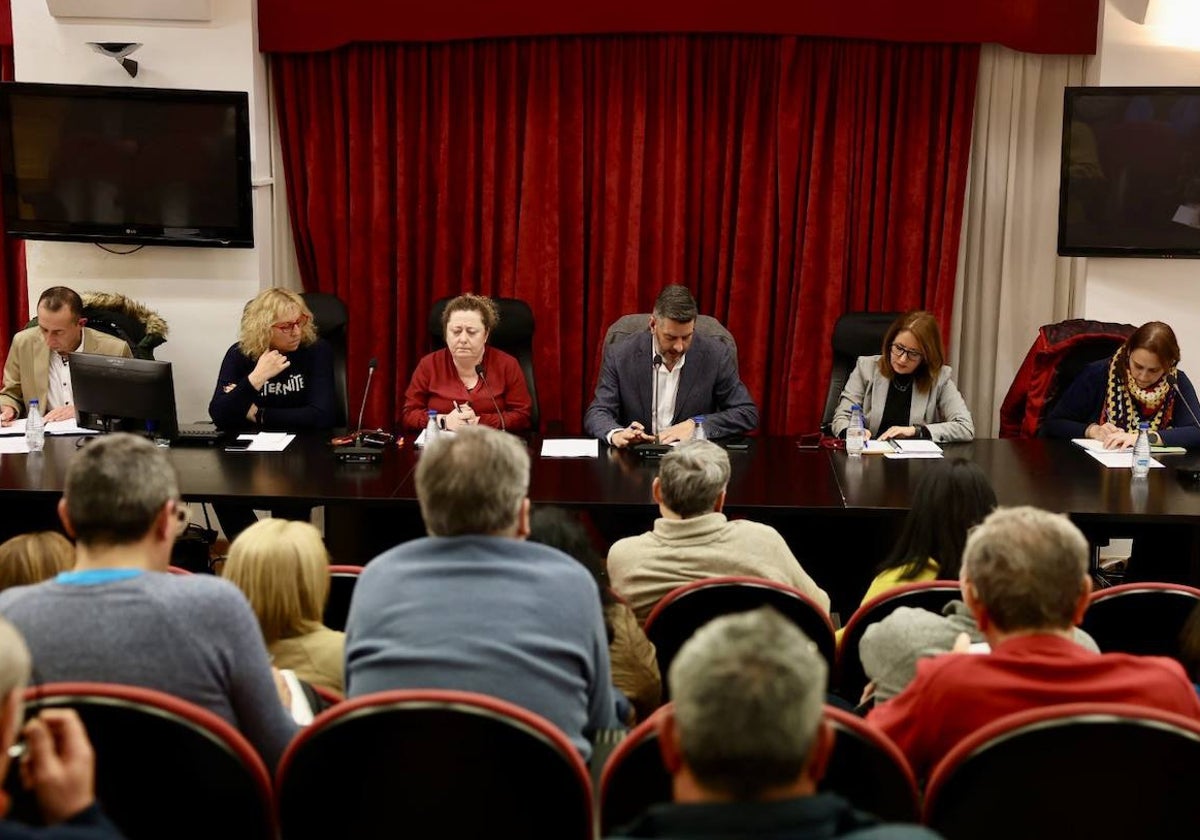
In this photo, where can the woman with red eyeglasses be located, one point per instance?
(279, 375)
(907, 391)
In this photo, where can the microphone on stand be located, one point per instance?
(1173, 381)
(359, 454)
(362, 408)
(1188, 470)
(655, 363)
(496, 405)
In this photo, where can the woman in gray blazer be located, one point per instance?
(908, 392)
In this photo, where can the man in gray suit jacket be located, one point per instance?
(651, 386)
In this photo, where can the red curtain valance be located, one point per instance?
(1036, 26)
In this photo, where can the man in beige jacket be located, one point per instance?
(692, 539)
(37, 367)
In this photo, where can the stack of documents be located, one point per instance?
(903, 449)
(1120, 459)
(571, 448)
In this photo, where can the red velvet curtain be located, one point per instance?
(783, 180)
(14, 293)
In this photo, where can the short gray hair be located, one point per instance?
(473, 482)
(691, 476)
(749, 691)
(1028, 567)
(676, 303)
(115, 487)
(14, 660)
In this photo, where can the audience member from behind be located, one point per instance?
(907, 391)
(745, 741)
(950, 497)
(36, 367)
(692, 540)
(1025, 578)
(117, 617)
(282, 567)
(1111, 397)
(634, 665)
(469, 381)
(474, 606)
(33, 558)
(58, 764)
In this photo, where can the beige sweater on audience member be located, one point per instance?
(318, 658)
(644, 568)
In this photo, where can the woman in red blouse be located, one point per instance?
(468, 382)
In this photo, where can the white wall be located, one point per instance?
(1163, 51)
(199, 291)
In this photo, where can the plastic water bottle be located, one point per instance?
(432, 430)
(856, 432)
(1141, 452)
(699, 433)
(35, 428)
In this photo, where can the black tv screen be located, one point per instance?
(131, 165)
(1130, 182)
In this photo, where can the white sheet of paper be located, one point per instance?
(58, 427)
(912, 456)
(268, 441)
(571, 448)
(420, 441)
(13, 445)
(1118, 459)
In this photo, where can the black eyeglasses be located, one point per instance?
(899, 350)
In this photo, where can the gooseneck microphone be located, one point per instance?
(1173, 381)
(496, 405)
(655, 363)
(366, 390)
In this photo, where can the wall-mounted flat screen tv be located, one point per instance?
(126, 165)
(1130, 183)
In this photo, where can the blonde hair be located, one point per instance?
(33, 558)
(283, 569)
(266, 309)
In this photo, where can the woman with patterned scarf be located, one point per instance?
(1139, 384)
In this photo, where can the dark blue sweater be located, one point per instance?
(1084, 400)
(301, 397)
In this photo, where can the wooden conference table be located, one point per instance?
(838, 513)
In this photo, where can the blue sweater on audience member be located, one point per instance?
(493, 615)
(300, 397)
(1084, 399)
(88, 824)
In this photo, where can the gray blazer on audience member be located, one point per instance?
(941, 409)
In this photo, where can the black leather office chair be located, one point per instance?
(331, 317)
(854, 334)
(513, 335)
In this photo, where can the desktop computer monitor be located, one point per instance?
(114, 394)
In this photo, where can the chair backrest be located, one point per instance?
(869, 770)
(124, 318)
(178, 570)
(164, 767)
(854, 334)
(513, 335)
(865, 768)
(929, 595)
(684, 610)
(1058, 353)
(447, 764)
(1044, 773)
(342, 580)
(706, 325)
(331, 317)
(1140, 618)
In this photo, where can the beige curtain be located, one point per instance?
(1010, 279)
